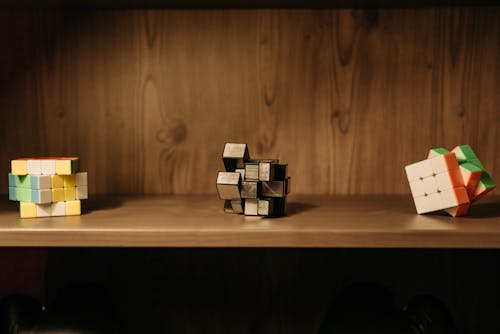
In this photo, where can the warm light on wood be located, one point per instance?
(199, 221)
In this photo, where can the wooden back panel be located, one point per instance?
(345, 97)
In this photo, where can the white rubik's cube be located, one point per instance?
(448, 181)
(253, 187)
(47, 186)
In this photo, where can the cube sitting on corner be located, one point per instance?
(448, 180)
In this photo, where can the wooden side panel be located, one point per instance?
(346, 97)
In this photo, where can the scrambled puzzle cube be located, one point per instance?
(448, 181)
(437, 184)
(47, 186)
(255, 187)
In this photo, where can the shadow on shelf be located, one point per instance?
(8, 205)
(101, 203)
(484, 210)
(298, 207)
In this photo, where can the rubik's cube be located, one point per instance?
(448, 181)
(47, 187)
(255, 187)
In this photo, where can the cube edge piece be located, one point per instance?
(253, 203)
(48, 166)
(220, 182)
(81, 179)
(227, 154)
(58, 209)
(34, 167)
(82, 192)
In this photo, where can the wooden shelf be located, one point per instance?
(198, 221)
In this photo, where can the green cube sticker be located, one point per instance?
(12, 194)
(12, 180)
(464, 153)
(470, 167)
(434, 152)
(487, 181)
(23, 181)
(477, 163)
(23, 194)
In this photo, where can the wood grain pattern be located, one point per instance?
(237, 4)
(347, 97)
(199, 221)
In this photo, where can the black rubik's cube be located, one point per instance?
(255, 187)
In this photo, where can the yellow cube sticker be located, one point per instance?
(57, 181)
(73, 208)
(19, 167)
(58, 195)
(67, 166)
(27, 210)
(69, 180)
(70, 194)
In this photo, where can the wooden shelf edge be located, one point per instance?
(313, 222)
(215, 239)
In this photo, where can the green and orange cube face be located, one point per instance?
(485, 184)
(448, 181)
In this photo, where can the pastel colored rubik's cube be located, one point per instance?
(47, 186)
(253, 187)
(448, 181)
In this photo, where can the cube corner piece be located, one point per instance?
(234, 156)
(434, 152)
(27, 210)
(67, 166)
(73, 208)
(459, 210)
(19, 167)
